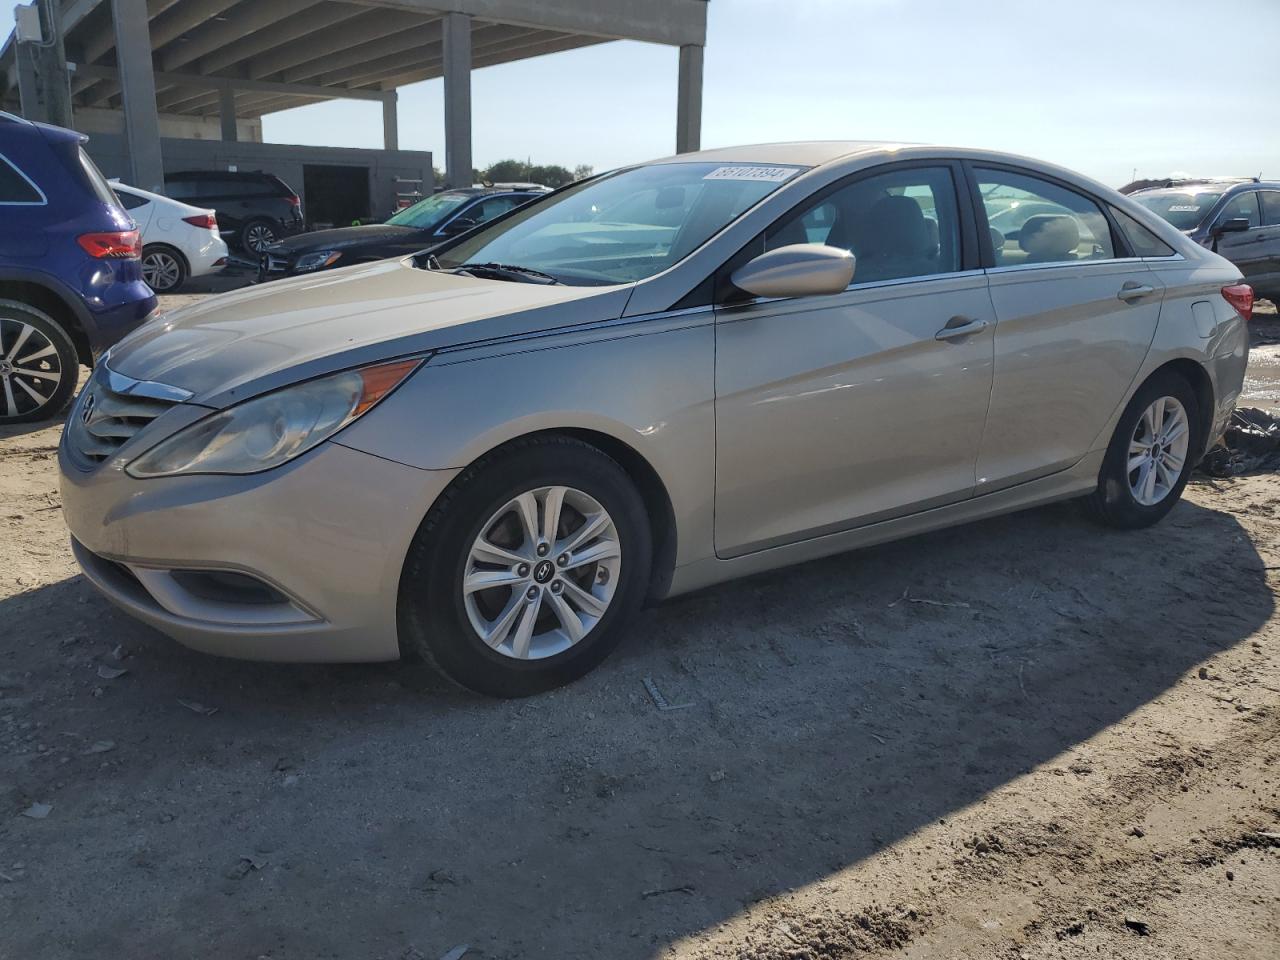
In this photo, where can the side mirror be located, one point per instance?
(1234, 225)
(796, 270)
(461, 225)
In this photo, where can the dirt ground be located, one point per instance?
(1024, 738)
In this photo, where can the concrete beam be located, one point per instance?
(202, 82)
(484, 40)
(287, 31)
(414, 39)
(390, 121)
(689, 100)
(228, 32)
(433, 69)
(326, 43)
(457, 100)
(185, 17)
(138, 89)
(227, 111)
(675, 22)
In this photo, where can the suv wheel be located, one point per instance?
(38, 364)
(525, 573)
(163, 268)
(258, 235)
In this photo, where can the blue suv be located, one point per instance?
(70, 270)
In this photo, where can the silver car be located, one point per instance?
(643, 384)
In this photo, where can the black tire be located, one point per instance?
(17, 404)
(257, 235)
(1114, 502)
(177, 275)
(433, 622)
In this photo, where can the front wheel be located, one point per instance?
(1151, 454)
(524, 575)
(38, 364)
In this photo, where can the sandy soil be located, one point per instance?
(1025, 738)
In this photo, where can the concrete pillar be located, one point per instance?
(390, 121)
(138, 93)
(44, 85)
(689, 100)
(457, 99)
(227, 113)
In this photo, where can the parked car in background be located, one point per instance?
(428, 222)
(1239, 220)
(489, 456)
(70, 275)
(254, 209)
(179, 241)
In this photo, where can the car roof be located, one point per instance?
(807, 153)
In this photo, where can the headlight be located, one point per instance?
(272, 429)
(318, 260)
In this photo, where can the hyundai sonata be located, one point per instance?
(642, 384)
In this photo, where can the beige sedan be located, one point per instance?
(645, 383)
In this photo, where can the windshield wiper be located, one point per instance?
(527, 274)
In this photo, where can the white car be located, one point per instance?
(178, 240)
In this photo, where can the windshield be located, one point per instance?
(428, 212)
(625, 226)
(1183, 209)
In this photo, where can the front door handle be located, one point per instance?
(959, 327)
(1133, 290)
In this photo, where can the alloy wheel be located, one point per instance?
(259, 236)
(30, 370)
(542, 572)
(161, 270)
(1158, 451)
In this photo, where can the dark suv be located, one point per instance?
(70, 275)
(1238, 219)
(254, 209)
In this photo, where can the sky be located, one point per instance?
(1102, 86)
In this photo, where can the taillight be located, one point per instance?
(295, 201)
(1240, 296)
(117, 245)
(206, 221)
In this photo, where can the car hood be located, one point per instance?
(341, 238)
(237, 345)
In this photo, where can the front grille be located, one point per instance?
(106, 418)
(270, 263)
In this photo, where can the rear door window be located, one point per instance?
(1034, 221)
(1270, 207)
(15, 188)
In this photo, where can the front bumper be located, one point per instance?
(324, 538)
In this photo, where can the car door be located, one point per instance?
(1075, 316)
(838, 411)
(1268, 278)
(1244, 248)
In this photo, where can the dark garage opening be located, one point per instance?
(335, 195)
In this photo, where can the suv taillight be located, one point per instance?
(295, 201)
(1240, 296)
(206, 221)
(116, 245)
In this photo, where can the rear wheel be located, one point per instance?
(1151, 454)
(164, 269)
(258, 235)
(39, 366)
(524, 575)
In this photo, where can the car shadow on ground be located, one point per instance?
(834, 708)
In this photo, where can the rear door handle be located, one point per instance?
(1134, 291)
(959, 327)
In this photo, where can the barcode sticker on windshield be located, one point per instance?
(766, 174)
(1183, 208)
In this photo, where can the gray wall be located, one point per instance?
(284, 160)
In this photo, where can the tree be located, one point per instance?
(582, 171)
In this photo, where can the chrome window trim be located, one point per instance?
(1014, 267)
(856, 287)
(119, 383)
(44, 200)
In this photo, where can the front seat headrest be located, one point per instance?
(895, 227)
(1050, 236)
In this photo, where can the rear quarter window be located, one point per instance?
(15, 188)
(1142, 241)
